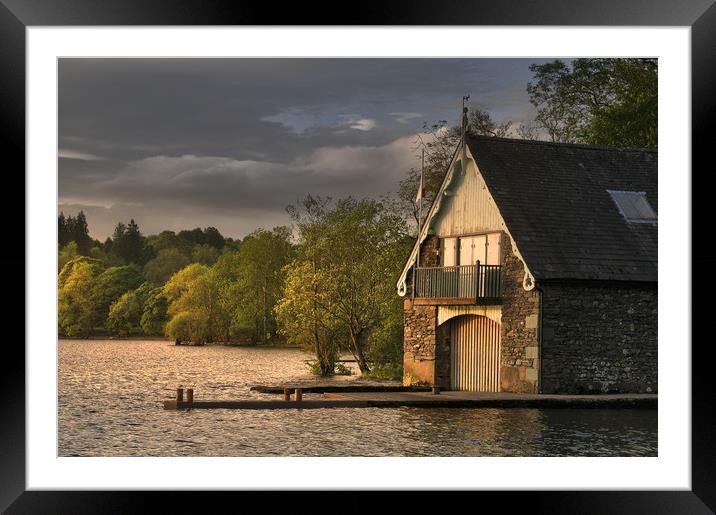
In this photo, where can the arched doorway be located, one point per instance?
(474, 354)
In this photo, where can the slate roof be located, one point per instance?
(553, 198)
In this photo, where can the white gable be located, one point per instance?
(463, 205)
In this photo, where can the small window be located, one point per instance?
(633, 206)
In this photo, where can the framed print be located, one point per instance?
(274, 251)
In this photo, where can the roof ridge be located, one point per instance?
(558, 144)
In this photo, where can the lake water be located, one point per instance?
(111, 393)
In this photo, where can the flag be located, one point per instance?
(421, 192)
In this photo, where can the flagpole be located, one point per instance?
(420, 216)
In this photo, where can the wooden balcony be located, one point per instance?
(458, 285)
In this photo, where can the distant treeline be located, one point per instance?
(326, 284)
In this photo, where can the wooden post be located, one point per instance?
(477, 273)
(299, 394)
(286, 394)
(436, 390)
(180, 394)
(190, 395)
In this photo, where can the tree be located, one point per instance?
(610, 102)
(353, 250)
(125, 314)
(259, 279)
(154, 312)
(178, 284)
(109, 286)
(74, 229)
(62, 233)
(204, 254)
(74, 301)
(80, 234)
(67, 253)
(195, 309)
(167, 263)
(303, 314)
(213, 237)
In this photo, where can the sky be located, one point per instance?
(229, 143)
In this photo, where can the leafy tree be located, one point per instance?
(303, 314)
(75, 302)
(610, 102)
(259, 273)
(178, 284)
(109, 286)
(213, 237)
(74, 229)
(125, 313)
(168, 240)
(154, 313)
(355, 248)
(168, 261)
(67, 253)
(195, 310)
(204, 254)
(62, 233)
(194, 236)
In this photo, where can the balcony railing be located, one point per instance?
(478, 282)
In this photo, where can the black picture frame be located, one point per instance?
(699, 15)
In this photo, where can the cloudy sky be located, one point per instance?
(181, 143)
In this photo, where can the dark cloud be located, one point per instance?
(177, 143)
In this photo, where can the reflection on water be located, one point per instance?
(110, 395)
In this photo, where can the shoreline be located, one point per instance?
(171, 342)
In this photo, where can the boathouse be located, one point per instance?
(537, 272)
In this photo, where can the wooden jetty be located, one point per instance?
(352, 399)
(333, 388)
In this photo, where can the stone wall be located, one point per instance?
(599, 339)
(430, 251)
(419, 343)
(519, 368)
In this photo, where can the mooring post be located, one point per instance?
(190, 395)
(180, 394)
(299, 394)
(287, 394)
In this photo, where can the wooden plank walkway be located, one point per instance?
(428, 400)
(340, 388)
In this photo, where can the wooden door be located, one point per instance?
(474, 354)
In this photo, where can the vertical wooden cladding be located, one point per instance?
(475, 354)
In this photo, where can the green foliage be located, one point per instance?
(109, 286)
(178, 284)
(302, 314)
(391, 371)
(128, 243)
(609, 102)
(204, 254)
(341, 283)
(169, 260)
(125, 314)
(74, 230)
(339, 369)
(154, 312)
(195, 306)
(67, 253)
(258, 270)
(76, 307)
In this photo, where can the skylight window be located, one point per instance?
(633, 206)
